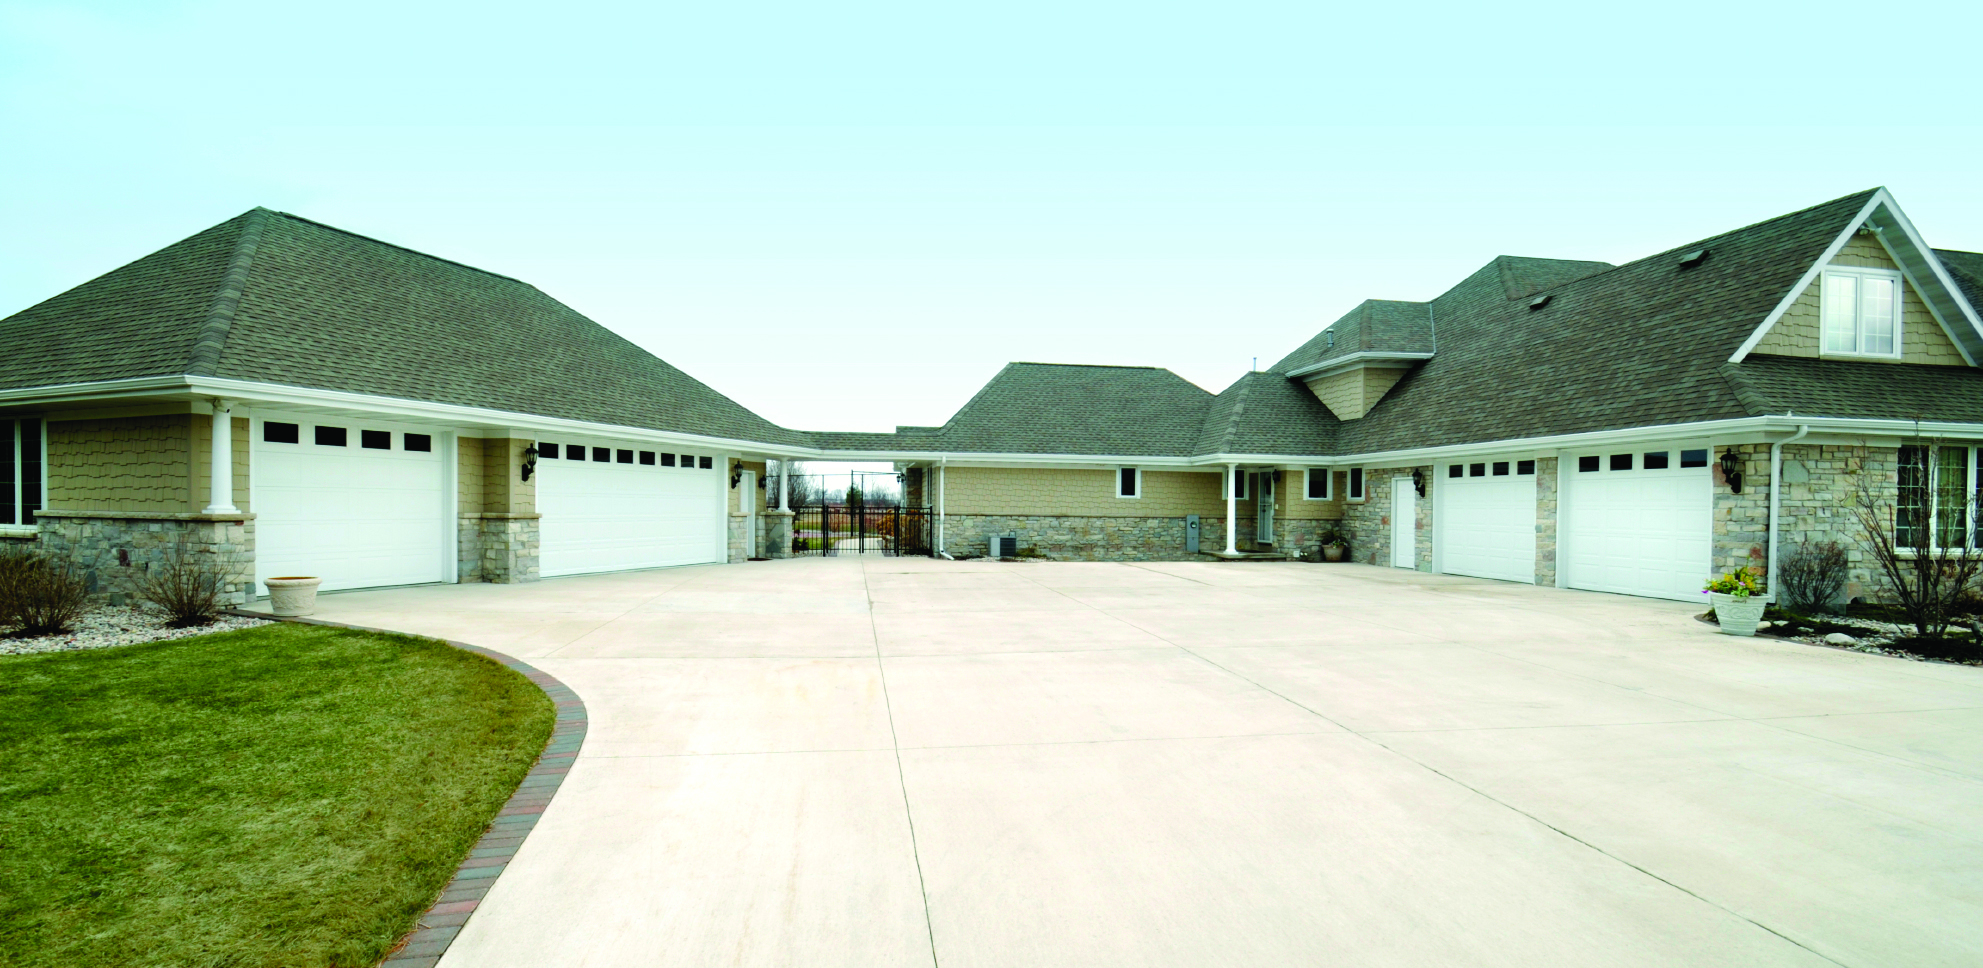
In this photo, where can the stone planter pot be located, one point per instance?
(1334, 552)
(293, 596)
(1738, 616)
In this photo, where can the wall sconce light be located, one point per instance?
(1731, 471)
(736, 473)
(529, 462)
(1418, 481)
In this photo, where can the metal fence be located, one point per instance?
(829, 530)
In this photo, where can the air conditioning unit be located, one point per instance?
(1004, 546)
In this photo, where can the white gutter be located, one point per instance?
(1362, 358)
(1776, 499)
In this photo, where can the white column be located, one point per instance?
(220, 493)
(784, 483)
(940, 477)
(1232, 509)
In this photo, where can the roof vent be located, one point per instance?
(1540, 301)
(1693, 258)
(1332, 337)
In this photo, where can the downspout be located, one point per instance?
(942, 463)
(1776, 499)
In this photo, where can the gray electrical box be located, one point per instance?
(1191, 533)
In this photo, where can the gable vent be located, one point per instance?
(1540, 301)
(1693, 258)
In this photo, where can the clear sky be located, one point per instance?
(848, 216)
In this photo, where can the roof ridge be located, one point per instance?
(1092, 366)
(1231, 428)
(205, 355)
(393, 245)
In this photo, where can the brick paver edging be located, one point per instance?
(436, 929)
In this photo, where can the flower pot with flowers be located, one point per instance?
(1738, 602)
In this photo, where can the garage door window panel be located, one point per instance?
(330, 436)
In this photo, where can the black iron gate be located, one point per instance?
(841, 530)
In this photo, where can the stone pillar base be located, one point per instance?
(114, 550)
(498, 548)
(777, 540)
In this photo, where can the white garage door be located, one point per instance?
(357, 504)
(1638, 521)
(1484, 524)
(610, 506)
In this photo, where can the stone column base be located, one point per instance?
(498, 548)
(114, 550)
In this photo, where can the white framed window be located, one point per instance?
(1129, 482)
(1237, 484)
(1861, 310)
(23, 458)
(1317, 484)
(1356, 495)
(1936, 504)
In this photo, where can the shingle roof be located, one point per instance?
(1836, 388)
(1967, 269)
(273, 298)
(1048, 408)
(1637, 345)
(1377, 325)
(1267, 413)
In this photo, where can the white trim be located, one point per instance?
(1328, 483)
(1137, 484)
(450, 498)
(1365, 358)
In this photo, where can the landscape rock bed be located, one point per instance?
(103, 626)
(1873, 637)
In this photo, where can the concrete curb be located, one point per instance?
(436, 929)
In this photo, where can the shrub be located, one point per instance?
(1813, 577)
(189, 587)
(38, 596)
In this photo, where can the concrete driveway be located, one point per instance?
(902, 762)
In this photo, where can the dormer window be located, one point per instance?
(1861, 312)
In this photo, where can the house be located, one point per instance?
(389, 417)
(1570, 423)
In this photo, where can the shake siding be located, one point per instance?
(130, 464)
(1799, 332)
(469, 475)
(1083, 493)
(503, 489)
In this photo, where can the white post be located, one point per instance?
(941, 477)
(1232, 509)
(220, 492)
(784, 479)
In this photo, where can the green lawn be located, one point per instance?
(283, 795)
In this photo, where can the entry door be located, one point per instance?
(1263, 496)
(1404, 521)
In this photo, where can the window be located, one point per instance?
(647, 458)
(1655, 460)
(1239, 482)
(1500, 468)
(1128, 482)
(1356, 483)
(1586, 464)
(331, 437)
(1476, 470)
(667, 460)
(1621, 462)
(602, 455)
(1937, 497)
(1694, 458)
(1456, 470)
(21, 456)
(574, 452)
(703, 462)
(1524, 468)
(624, 456)
(1318, 483)
(375, 439)
(418, 443)
(281, 433)
(1860, 309)
(543, 450)
(688, 460)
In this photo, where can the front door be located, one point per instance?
(1263, 503)
(1404, 523)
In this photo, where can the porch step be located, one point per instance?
(1251, 555)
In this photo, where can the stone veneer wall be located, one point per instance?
(1545, 521)
(1741, 521)
(1369, 522)
(1816, 505)
(1076, 538)
(115, 552)
(498, 547)
(497, 532)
